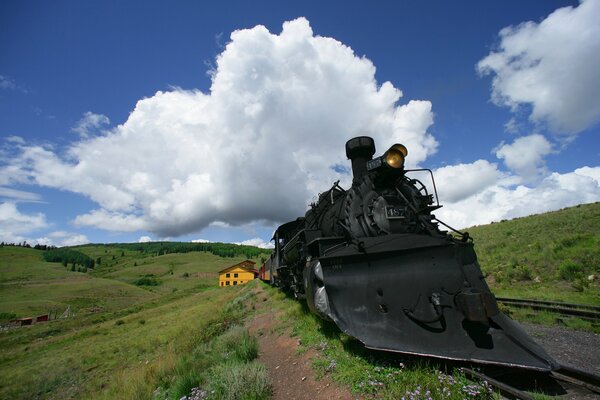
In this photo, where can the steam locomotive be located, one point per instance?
(374, 260)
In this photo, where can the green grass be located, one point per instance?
(547, 256)
(126, 341)
(365, 372)
(31, 286)
(130, 354)
(178, 271)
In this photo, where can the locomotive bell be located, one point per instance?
(360, 150)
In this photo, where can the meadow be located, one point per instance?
(152, 324)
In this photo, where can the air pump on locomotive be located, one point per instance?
(374, 260)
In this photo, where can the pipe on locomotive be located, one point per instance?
(360, 151)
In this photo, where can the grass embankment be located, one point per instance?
(127, 340)
(161, 351)
(31, 286)
(546, 256)
(163, 273)
(368, 373)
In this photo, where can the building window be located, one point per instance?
(235, 275)
(227, 283)
(227, 275)
(234, 283)
(222, 283)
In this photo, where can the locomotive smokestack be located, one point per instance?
(360, 150)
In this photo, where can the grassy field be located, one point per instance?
(31, 286)
(548, 256)
(152, 326)
(126, 341)
(133, 353)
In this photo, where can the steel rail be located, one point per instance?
(507, 390)
(558, 308)
(552, 303)
(583, 378)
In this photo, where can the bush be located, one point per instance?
(523, 273)
(570, 271)
(233, 381)
(6, 316)
(238, 344)
(147, 281)
(119, 322)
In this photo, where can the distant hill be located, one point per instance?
(557, 250)
(36, 282)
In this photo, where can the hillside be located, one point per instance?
(127, 337)
(122, 277)
(548, 255)
(151, 323)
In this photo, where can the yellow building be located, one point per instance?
(238, 274)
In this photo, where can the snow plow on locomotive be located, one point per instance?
(374, 261)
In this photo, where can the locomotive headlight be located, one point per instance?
(395, 156)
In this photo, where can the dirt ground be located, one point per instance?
(291, 373)
(292, 376)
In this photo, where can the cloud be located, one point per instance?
(457, 182)
(19, 195)
(257, 242)
(505, 199)
(552, 66)
(90, 124)
(200, 241)
(14, 224)
(144, 239)
(7, 83)
(257, 147)
(525, 156)
(63, 238)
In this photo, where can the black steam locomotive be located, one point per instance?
(374, 260)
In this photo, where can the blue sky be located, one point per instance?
(500, 99)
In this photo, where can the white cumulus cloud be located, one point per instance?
(504, 199)
(90, 124)
(457, 182)
(525, 156)
(257, 147)
(552, 66)
(257, 242)
(14, 223)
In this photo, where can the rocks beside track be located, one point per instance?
(577, 349)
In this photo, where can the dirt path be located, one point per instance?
(291, 373)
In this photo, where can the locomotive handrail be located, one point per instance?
(437, 200)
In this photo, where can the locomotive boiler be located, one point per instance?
(374, 260)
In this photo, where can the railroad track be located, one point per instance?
(587, 382)
(584, 311)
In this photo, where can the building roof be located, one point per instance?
(247, 265)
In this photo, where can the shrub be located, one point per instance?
(147, 281)
(238, 342)
(7, 316)
(523, 273)
(119, 322)
(570, 271)
(231, 381)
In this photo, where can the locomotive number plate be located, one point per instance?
(392, 212)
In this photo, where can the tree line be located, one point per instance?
(69, 257)
(218, 249)
(27, 245)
